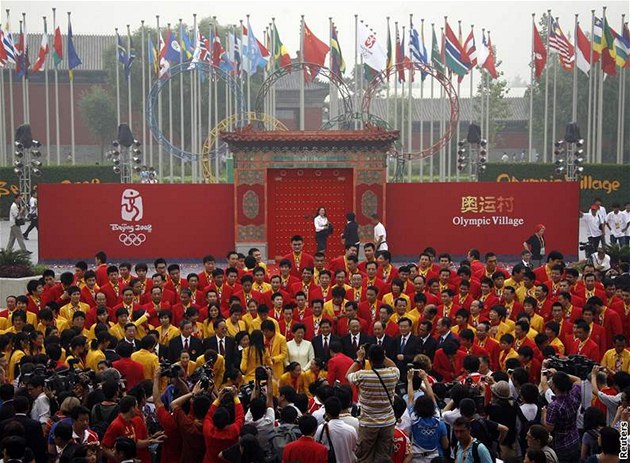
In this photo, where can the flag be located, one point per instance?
(165, 66)
(401, 64)
(471, 50)
(338, 64)
(73, 57)
(598, 29)
(372, 52)
(185, 45)
(121, 51)
(172, 51)
(622, 47)
(22, 62)
(57, 47)
(390, 51)
(130, 58)
(583, 52)
(455, 57)
(9, 46)
(489, 64)
(540, 54)
(153, 56)
(3, 54)
(43, 52)
(417, 49)
(436, 56)
(626, 38)
(196, 57)
(608, 49)
(280, 54)
(558, 43)
(315, 52)
(252, 53)
(217, 50)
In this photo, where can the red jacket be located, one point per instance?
(306, 260)
(130, 370)
(338, 366)
(589, 349)
(442, 365)
(305, 450)
(217, 439)
(113, 297)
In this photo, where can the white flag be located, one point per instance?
(483, 53)
(372, 52)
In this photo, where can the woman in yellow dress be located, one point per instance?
(97, 349)
(254, 355)
(18, 350)
(213, 316)
(187, 366)
(293, 377)
(36, 343)
(314, 372)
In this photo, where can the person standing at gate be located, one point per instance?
(32, 214)
(16, 220)
(350, 235)
(322, 230)
(380, 234)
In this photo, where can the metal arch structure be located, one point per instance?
(210, 72)
(336, 80)
(449, 90)
(265, 120)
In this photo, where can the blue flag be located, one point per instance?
(185, 44)
(73, 58)
(172, 48)
(253, 56)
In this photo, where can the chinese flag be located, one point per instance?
(315, 51)
(540, 54)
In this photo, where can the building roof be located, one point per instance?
(371, 134)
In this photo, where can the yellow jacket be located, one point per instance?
(67, 311)
(249, 364)
(6, 323)
(234, 328)
(279, 354)
(149, 362)
(219, 369)
(93, 357)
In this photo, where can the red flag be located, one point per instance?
(3, 53)
(583, 52)
(58, 44)
(315, 52)
(540, 54)
(217, 50)
(43, 52)
(489, 64)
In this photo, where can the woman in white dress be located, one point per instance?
(322, 229)
(300, 350)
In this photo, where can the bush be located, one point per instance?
(15, 264)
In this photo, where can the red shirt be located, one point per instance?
(493, 348)
(443, 366)
(589, 349)
(86, 296)
(402, 446)
(338, 366)
(172, 447)
(305, 260)
(218, 440)
(135, 429)
(101, 275)
(130, 370)
(113, 295)
(305, 450)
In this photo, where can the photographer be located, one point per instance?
(560, 416)
(190, 425)
(172, 448)
(261, 411)
(219, 430)
(621, 384)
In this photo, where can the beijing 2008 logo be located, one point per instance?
(131, 232)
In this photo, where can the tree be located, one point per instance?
(496, 90)
(98, 111)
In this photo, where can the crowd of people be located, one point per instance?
(319, 359)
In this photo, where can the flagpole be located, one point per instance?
(410, 101)
(622, 84)
(129, 77)
(402, 99)
(45, 68)
(589, 129)
(144, 95)
(600, 122)
(159, 145)
(546, 129)
(472, 70)
(389, 38)
(575, 76)
(194, 106)
(116, 60)
(442, 119)
(210, 79)
(71, 110)
(395, 125)
(3, 123)
(170, 116)
(357, 70)
(182, 138)
(530, 138)
(249, 102)
(23, 60)
(216, 102)
(54, 10)
(144, 124)
(482, 100)
(421, 103)
(431, 112)
(620, 105)
(25, 83)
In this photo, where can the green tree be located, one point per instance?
(98, 111)
(495, 91)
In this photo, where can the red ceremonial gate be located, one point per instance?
(293, 198)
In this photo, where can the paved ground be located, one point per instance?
(33, 242)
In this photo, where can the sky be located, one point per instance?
(509, 21)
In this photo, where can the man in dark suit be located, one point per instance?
(385, 340)
(185, 341)
(321, 342)
(427, 344)
(444, 332)
(32, 429)
(406, 346)
(354, 339)
(221, 342)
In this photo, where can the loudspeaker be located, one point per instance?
(474, 133)
(125, 137)
(572, 133)
(24, 136)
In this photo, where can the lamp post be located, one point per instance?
(126, 156)
(27, 160)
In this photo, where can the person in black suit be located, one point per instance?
(321, 343)
(385, 340)
(221, 342)
(407, 346)
(32, 428)
(7, 391)
(444, 331)
(354, 339)
(427, 344)
(185, 341)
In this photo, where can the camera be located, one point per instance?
(576, 365)
(260, 374)
(203, 374)
(588, 248)
(170, 371)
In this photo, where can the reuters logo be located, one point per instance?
(132, 239)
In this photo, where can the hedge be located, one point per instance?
(610, 182)
(9, 183)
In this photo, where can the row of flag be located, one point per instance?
(243, 52)
(16, 52)
(612, 48)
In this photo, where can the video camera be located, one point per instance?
(576, 365)
(588, 249)
(204, 374)
(169, 370)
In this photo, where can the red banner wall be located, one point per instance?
(135, 221)
(454, 217)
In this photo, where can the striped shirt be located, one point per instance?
(376, 409)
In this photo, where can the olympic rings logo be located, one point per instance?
(132, 239)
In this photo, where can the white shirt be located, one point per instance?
(601, 264)
(601, 213)
(379, 230)
(302, 353)
(41, 409)
(14, 213)
(627, 215)
(184, 342)
(320, 223)
(344, 439)
(592, 224)
(32, 205)
(617, 223)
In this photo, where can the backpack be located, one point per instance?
(526, 424)
(101, 423)
(475, 452)
(285, 434)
